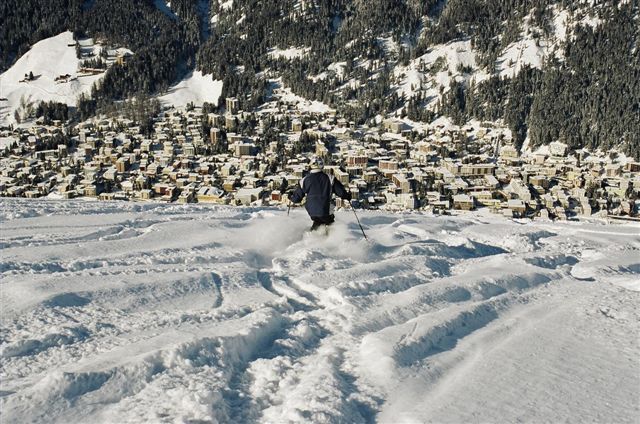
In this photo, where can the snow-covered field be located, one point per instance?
(129, 312)
(47, 59)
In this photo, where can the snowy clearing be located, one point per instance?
(194, 87)
(284, 94)
(519, 54)
(142, 312)
(290, 53)
(47, 59)
(447, 60)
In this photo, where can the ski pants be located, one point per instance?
(321, 220)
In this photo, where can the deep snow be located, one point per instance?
(130, 312)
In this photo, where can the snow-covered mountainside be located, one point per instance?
(124, 312)
(547, 70)
(48, 60)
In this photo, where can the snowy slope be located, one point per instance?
(47, 59)
(194, 87)
(530, 48)
(125, 312)
(284, 94)
(453, 55)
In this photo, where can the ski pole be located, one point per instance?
(289, 209)
(357, 219)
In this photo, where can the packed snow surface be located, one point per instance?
(47, 60)
(130, 312)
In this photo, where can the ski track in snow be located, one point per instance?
(125, 312)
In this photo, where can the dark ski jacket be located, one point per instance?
(318, 186)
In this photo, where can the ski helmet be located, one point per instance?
(317, 163)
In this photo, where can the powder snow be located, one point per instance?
(143, 312)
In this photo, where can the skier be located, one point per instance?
(318, 186)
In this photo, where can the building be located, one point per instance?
(457, 168)
(402, 182)
(398, 171)
(233, 105)
(356, 160)
(395, 126)
(246, 196)
(517, 207)
(214, 136)
(243, 149)
(210, 195)
(463, 202)
(230, 122)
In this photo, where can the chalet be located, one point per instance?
(395, 126)
(146, 194)
(276, 196)
(121, 57)
(246, 196)
(463, 202)
(186, 196)
(517, 208)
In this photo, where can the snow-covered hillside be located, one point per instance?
(193, 88)
(47, 60)
(125, 312)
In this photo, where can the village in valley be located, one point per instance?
(239, 158)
